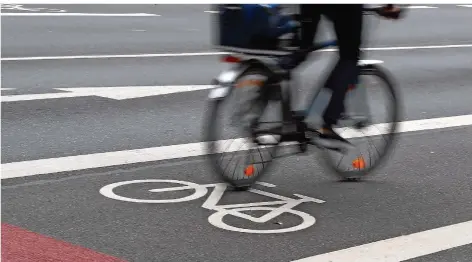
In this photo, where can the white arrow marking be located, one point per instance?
(116, 92)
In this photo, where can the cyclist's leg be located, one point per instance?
(347, 21)
(310, 15)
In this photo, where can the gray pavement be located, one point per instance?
(426, 184)
(187, 29)
(417, 191)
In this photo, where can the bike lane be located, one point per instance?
(425, 185)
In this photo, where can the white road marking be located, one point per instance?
(115, 92)
(75, 14)
(465, 5)
(420, 7)
(110, 56)
(214, 53)
(3, 89)
(265, 184)
(417, 47)
(80, 162)
(22, 8)
(285, 204)
(403, 247)
(212, 12)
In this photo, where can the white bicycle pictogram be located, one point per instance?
(216, 219)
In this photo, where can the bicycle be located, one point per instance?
(272, 82)
(285, 204)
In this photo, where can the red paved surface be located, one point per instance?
(20, 245)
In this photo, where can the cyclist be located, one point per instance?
(347, 22)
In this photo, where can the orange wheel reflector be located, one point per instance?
(249, 170)
(358, 163)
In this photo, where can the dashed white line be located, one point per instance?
(32, 58)
(465, 5)
(116, 158)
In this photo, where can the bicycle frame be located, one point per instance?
(241, 63)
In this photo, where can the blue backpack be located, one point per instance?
(252, 26)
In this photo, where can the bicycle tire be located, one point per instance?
(383, 75)
(211, 128)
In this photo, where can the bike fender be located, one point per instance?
(224, 82)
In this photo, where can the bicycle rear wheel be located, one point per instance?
(357, 164)
(249, 160)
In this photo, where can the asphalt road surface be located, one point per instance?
(98, 95)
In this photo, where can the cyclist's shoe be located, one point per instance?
(330, 139)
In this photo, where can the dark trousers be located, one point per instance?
(347, 22)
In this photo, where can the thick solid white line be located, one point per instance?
(214, 53)
(80, 162)
(74, 14)
(403, 247)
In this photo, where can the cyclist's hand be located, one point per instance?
(390, 12)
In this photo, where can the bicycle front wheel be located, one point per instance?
(373, 137)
